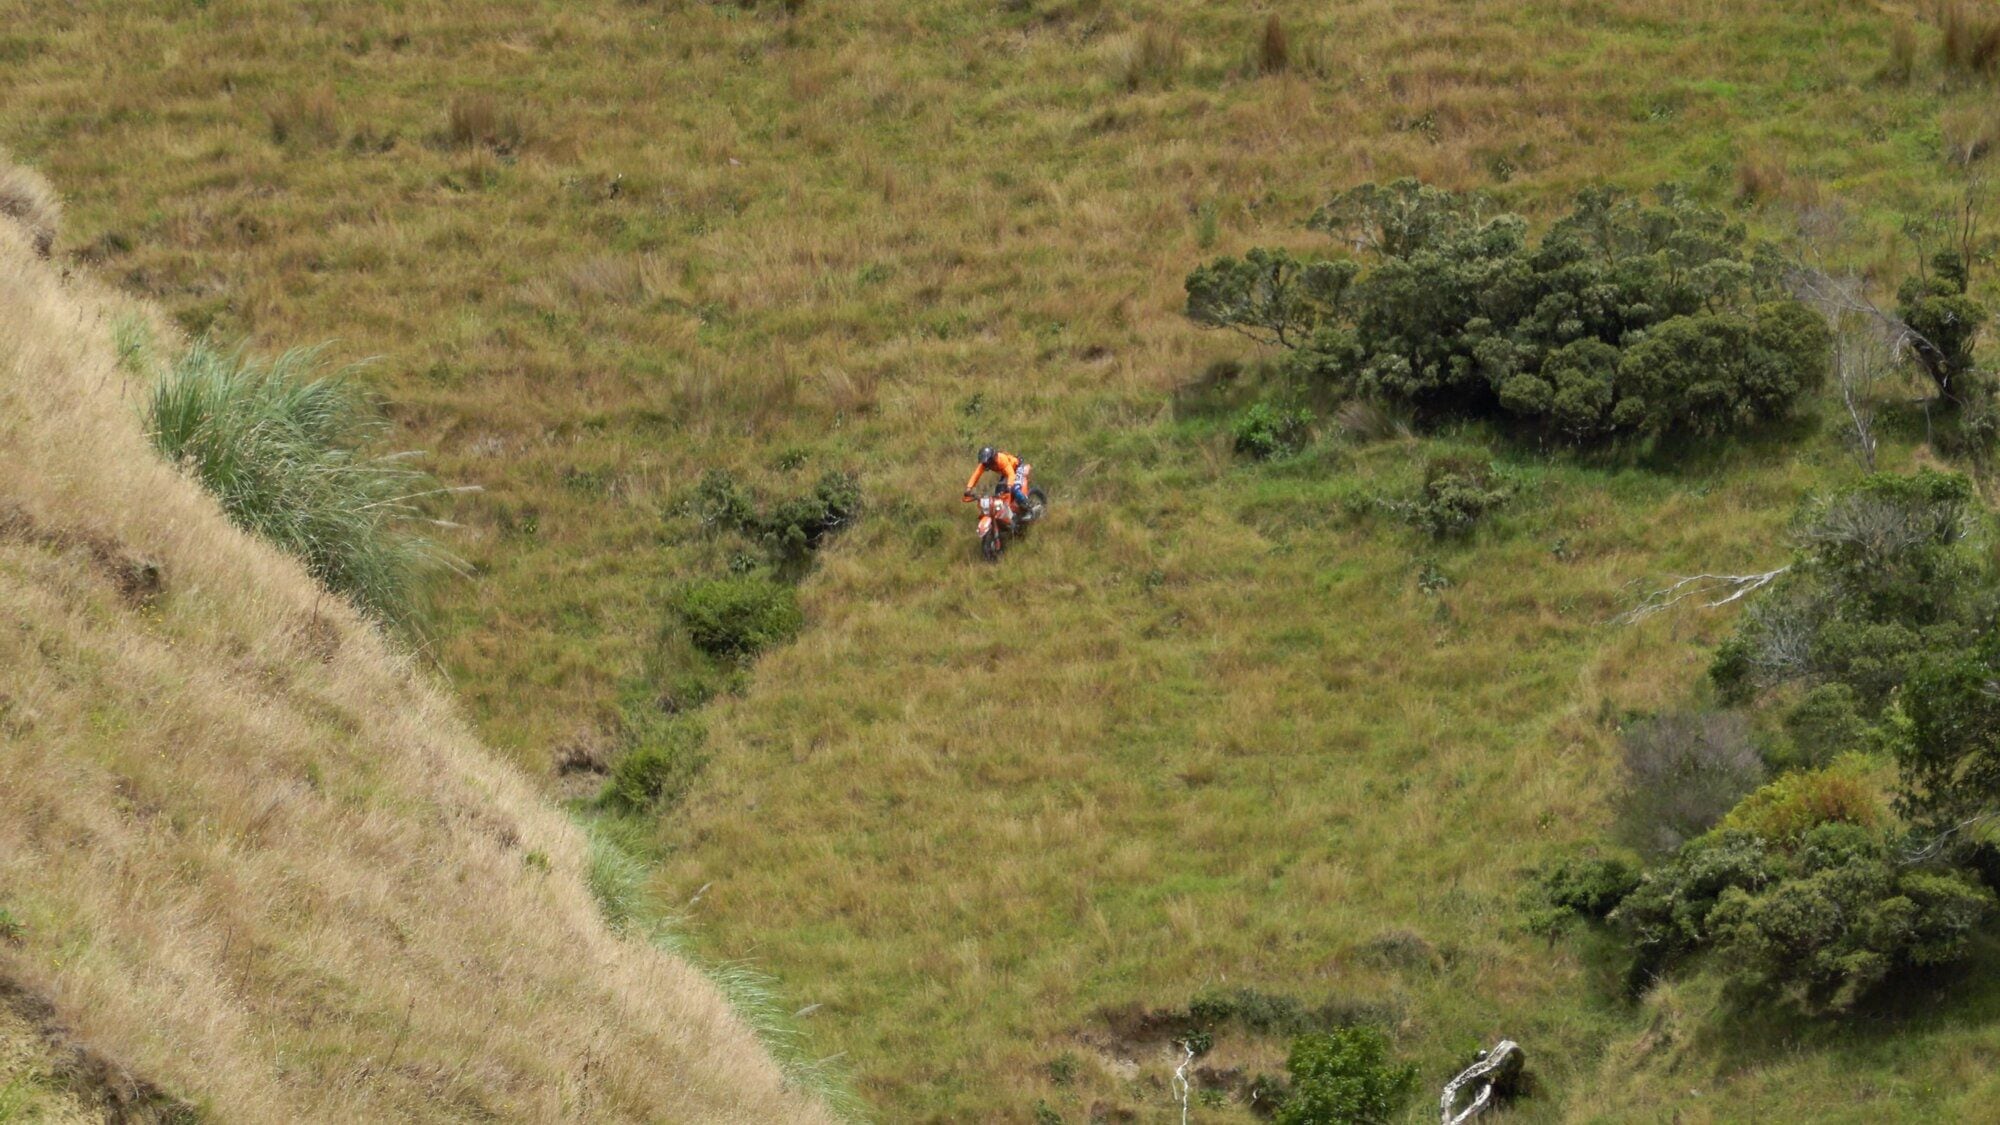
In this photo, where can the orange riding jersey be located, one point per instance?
(1006, 464)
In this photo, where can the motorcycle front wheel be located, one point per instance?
(991, 544)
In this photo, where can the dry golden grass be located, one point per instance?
(253, 853)
(27, 198)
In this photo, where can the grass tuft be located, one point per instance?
(1969, 40)
(1901, 64)
(479, 121)
(284, 447)
(309, 117)
(1274, 50)
(27, 198)
(1153, 58)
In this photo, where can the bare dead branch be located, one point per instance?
(1721, 588)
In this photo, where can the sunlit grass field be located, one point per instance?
(1206, 728)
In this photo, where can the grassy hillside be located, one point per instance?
(1216, 725)
(250, 854)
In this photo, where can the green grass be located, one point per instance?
(287, 449)
(1205, 727)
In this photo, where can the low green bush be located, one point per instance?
(789, 529)
(659, 767)
(1823, 725)
(1344, 1077)
(738, 616)
(1817, 921)
(1458, 493)
(1266, 430)
(793, 528)
(286, 449)
(1580, 887)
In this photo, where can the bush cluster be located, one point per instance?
(1624, 318)
(789, 529)
(1807, 891)
(1816, 920)
(286, 449)
(1344, 1077)
(1580, 887)
(1883, 575)
(738, 616)
(1458, 493)
(1268, 430)
(659, 767)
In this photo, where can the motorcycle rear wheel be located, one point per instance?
(1038, 504)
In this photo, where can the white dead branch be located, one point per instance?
(1707, 590)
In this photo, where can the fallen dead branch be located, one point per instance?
(1721, 588)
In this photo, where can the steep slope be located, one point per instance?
(252, 854)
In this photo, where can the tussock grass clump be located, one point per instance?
(1759, 178)
(1274, 50)
(1152, 58)
(1969, 40)
(1969, 133)
(479, 121)
(28, 199)
(309, 117)
(284, 447)
(1901, 64)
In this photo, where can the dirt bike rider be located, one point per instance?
(1009, 467)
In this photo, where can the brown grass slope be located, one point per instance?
(250, 852)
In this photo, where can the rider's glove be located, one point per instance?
(968, 494)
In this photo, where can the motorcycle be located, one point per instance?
(1000, 522)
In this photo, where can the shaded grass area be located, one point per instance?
(1207, 726)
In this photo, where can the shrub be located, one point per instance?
(1457, 494)
(1844, 920)
(1822, 726)
(27, 198)
(1266, 430)
(1881, 576)
(284, 447)
(1579, 887)
(1946, 319)
(1623, 318)
(1817, 921)
(1683, 771)
(790, 529)
(1666, 915)
(796, 527)
(1795, 804)
(1948, 749)
(657, 770)
(1344, 1077)
(738, 617)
